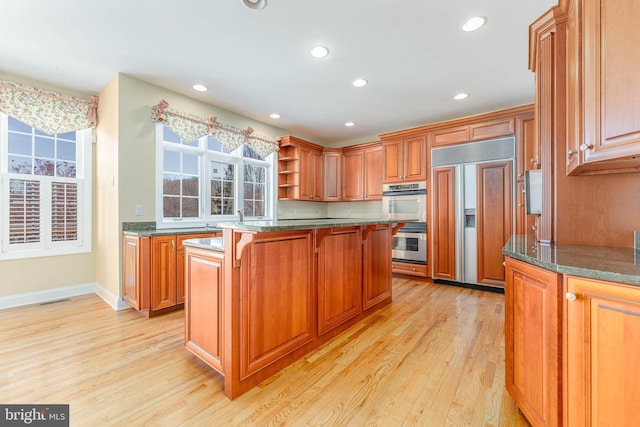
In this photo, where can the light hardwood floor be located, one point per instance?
(434, 357)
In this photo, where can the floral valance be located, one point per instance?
(47, 111)
(190, 127)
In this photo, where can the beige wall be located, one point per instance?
(124, 175)
(39, 274)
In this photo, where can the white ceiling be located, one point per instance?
(256, 62)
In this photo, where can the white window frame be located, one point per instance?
(47, 247)
(236, 158)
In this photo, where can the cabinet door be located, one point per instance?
(376, 274)
(611, 57)
(415, 159)
(603, 348)
(393, 161)
(527, 147)
(339, 276)
(494, 219)
(316, 157)
(533, 308)
(131, 264)
(203, 307)
(373, 173)
(444, 223)
(524, 222)
(163, 272)
(307, 177)
(180, 262)
(352, 175)
(332, 171)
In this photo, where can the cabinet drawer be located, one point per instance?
(406, 268)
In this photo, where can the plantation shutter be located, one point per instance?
(64, 211)
(24, 211)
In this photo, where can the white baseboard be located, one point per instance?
(114, 301)
(61, 293)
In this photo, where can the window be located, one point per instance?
(45, 191)
(202, 182)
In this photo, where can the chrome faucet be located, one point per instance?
(240, 215)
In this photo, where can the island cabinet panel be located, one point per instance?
(339, 276)
(376, 273)
(533, 310)
(203, 307)
(602, 378)
(277, 299)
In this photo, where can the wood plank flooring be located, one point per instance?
(434, 357)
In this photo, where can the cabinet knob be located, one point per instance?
(571, 153)
(519, 205)
(570, 296)
(585, 147)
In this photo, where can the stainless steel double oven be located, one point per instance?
(407, 201)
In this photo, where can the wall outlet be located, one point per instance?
(139, 210)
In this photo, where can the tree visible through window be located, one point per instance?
(202, 181)
(42, 191)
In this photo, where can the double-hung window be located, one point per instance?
(45, 191)
(200, 182)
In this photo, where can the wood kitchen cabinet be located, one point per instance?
(404, 159)
(603, 115)
(153, 271)
(376, 269)
(476, 131)
(332, 174)
(362, 172)
(524, 223)
(310, 174)
(204, 275)
(339, 276)
(602, 377)
(533, 343)
(299, 170)
(527, 146)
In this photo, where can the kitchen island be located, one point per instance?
(280, 289)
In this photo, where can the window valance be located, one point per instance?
(47, 111)
(190, 127)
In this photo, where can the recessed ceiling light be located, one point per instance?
(255, 4)
(275, 116)
(360, 82)
(319, 51)
(461, 95)
(349, 124)
(474, 23)
(200, 88)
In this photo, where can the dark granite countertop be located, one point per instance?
(305, 224)
(211, 243)
(597, 262)
(172, 231)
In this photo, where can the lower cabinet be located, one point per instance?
(339, 276)
(153, 271)
(408, 268)
(602, 378)
(533, 308)
(203, 305)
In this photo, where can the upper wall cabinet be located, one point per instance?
(472, 132)
(299, 170)
(603, 112)
(361, 172)
(405, 159)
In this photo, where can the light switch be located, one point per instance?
(139, 210)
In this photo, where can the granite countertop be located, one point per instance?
(597, 262)
(305, 224)
(211, 243)
(172, 231)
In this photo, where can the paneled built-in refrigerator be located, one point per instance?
(473, 212)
